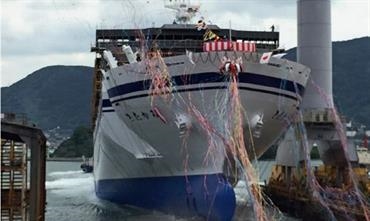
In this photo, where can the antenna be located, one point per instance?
(184, 10)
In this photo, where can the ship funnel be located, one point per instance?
(315, 51)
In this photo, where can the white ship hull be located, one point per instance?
(156, 152)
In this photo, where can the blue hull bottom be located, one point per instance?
(209, 196)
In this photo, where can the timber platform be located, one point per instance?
(18, 201)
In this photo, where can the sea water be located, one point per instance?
(71, 196)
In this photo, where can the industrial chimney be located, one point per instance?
(315, 51)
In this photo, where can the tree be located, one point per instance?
(79, 144)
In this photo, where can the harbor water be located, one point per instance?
(70, 196)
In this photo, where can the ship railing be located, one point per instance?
(175, 44)
(162, 44)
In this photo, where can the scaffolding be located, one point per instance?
(21, 201)
(14, 194)
(97, 87)
(175, 39)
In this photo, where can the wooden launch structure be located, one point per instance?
(22, 200)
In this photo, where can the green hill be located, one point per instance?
(79, 144)
(52, 96)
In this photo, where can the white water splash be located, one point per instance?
(241, 194)
(68, 183)
(64, 173)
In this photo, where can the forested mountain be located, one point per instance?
(52, 96)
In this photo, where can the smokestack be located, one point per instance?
(315, 51)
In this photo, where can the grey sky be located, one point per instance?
(38, 33)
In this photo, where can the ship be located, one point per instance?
(161, 99)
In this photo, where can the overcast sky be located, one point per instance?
(38, 33)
